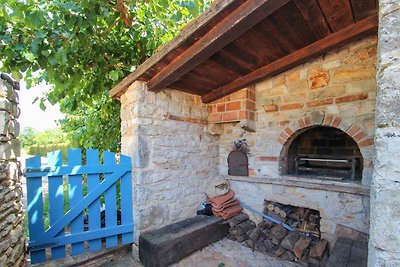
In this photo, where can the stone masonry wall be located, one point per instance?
(349, 209)
(337, 89)
(384, 244)
(174, 155)
(12, 242)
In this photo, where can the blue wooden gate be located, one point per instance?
(88, 188)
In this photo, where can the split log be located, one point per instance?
(288, 256)
(300, 246)
(231, 237)
(284, 211)
(238, 219)
(261, 247)
(305, 215)
(265, 224)
(313, 218)
(262, 237)
(242, 228)
(253, 234)
(290, 240)
(275, 215)
(279, 252)
(317, 249)
(241, 238)
(272, 205)
(277, 233)
(269, 244)
(277, 208)
(249, 243)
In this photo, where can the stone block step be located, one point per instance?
(171, 243)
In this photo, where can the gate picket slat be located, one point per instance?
(75, 196)
(92, 158)
(110, 199)
(56, 236)
(126, 200)
(56, 199)
(77, 209)
(35, 208)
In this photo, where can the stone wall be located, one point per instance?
(174, 155)
(337, 204)
(12, 242)
(384, 245)
(337, 89)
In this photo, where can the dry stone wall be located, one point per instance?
(12, 242)
(174, 156)
(384, 244)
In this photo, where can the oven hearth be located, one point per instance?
(325, 152)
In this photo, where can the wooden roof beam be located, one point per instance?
(360, 29)
(187, 32)
(235, 24)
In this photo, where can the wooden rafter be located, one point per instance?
(232, 26)
(360, 29)
(163, 51)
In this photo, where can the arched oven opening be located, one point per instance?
(323, 152)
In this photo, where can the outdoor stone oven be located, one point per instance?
(312, 140)
(243, 71)
(324, 152)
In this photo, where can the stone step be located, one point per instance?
(173, 242)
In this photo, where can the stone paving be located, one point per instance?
(229, 253)
(225, 253)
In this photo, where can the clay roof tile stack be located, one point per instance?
(225, 205)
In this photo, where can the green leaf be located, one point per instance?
(82, 49)
(113, 75)
(42, 105)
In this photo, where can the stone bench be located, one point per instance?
(171, 243)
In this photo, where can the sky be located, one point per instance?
(31, 114)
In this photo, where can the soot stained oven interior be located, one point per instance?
(323, 152)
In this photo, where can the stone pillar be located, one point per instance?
(12, 241)
(174, 156)
(384, 244)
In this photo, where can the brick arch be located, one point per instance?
(319, 118)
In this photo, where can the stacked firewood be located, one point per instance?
(303, 245)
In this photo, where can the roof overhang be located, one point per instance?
(237, 43)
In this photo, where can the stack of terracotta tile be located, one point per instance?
(225, 205)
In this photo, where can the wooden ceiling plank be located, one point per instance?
(215, 72)
(224, 58)
(300, 34)
(234, 25)
(268, 26)
(207, 17)
(358, 30)
(338, 13)
(313, 16)
(363, 8)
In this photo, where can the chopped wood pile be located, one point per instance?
(303, 245)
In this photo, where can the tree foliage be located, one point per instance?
(83, 48)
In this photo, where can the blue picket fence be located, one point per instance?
(81, 226)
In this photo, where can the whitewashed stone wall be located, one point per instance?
(173, 154)
(12, 242)
(384, 245)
